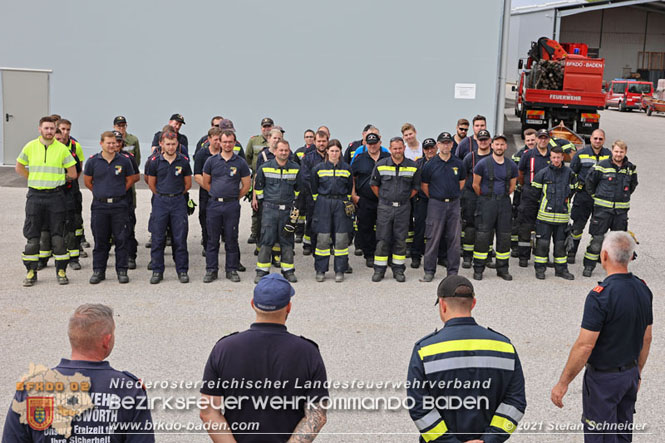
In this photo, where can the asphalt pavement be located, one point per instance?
(365, 330)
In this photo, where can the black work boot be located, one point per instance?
(378, 275)
(210, 276)
(122, 277)
(97, 276)
(565, 274)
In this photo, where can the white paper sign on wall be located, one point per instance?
(465, 91)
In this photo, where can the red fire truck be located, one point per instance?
(560, 86)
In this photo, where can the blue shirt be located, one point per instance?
(170, 176)
(225, 175)
(108, 179)
(470, 162)
(443, 177)
(362, 149)
(532, 162)
(106, 385)
(263, 353)
(620, 308)
(466, 146)
(362, 169)
(503, 173)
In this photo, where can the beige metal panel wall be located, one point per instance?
(623, 35)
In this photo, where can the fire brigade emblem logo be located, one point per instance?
(40, 412)
(233, 171)
(118, 170)
(455, 170)
(178, 170)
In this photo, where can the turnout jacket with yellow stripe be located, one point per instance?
(611, 185)
(466, 383)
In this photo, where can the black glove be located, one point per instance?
(191, 204)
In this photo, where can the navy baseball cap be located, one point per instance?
(118, 135)
(372, 139)
(178, 118)
(498, 136)
(267, 121)
(273, 292)
(444, 137)
(483, 134)
(429, 143)
(226, 125)
(119, 120)
(543, 133)
(455, 286)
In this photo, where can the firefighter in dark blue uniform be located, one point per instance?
(531, 162)
(420, 207)
(557, 184)
(469, 199)
(494, 179)
(331, 186)
(109, 176)
(169, 178)
(395, 180)
(226, 177)
(108, 400)
(132, 243)
(350, 151)
(529, 143)
(613, 344)
(299, 155)
(176, 121)
(611, 183)
(464, 360)
(309, 162)
(277, 364)
(213, 147)
(277, 185)
(362, 167)
(582, 163)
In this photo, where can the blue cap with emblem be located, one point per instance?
(273, 292)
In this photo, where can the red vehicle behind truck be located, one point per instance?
(627, 94)
(557, 86)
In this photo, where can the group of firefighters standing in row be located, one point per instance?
(410, 199)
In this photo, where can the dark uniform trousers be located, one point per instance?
(469, 203)
(308, 203)
(443, 224)
(492, 214)
(545, 232)
(273, 219)
(204, 197)
(132, 243)
(45, 208)
(420, 217)
(73, 222)
(106, 220)
(514, 231)
(73, 228)
(607, 398)
(366, 220)
(579, 214)
(330, 221)
(603, 220)
(526, 220)
(223, 216)
(392, 227)
(169, 211)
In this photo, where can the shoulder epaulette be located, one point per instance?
(311, 341)
(497, 332)
(130, 375)
(427, 336)
(226, 336)
(598, 289)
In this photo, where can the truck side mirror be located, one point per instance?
(514, 88)
(520, 64)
